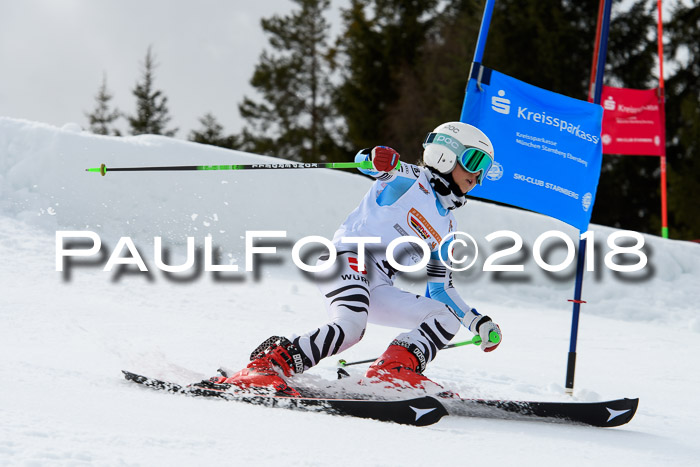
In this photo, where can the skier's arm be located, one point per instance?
(440, 288)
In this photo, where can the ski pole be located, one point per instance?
(103, 169)
(476, 340)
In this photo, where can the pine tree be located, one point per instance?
(152, 113)
(102, 118)
(295, 119)
(212, 132)
(378, 49)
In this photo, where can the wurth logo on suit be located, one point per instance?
(353, 265)
(354, 277)
(360, 276)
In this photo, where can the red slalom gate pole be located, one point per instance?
(662, 107)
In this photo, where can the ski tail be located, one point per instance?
(172, 387)
(419, 411)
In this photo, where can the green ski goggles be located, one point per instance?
(471, 159)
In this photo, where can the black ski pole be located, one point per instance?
(103, 169)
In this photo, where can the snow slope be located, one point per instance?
(66, 336)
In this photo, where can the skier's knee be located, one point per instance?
(446, 317)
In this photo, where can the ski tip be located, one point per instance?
(619, 412)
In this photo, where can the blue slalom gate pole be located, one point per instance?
(484, 31)
(480, 46)
(600, 68)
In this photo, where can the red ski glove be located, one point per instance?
(384, 159)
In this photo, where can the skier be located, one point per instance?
(404, 200)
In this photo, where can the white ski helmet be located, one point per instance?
(454, 142)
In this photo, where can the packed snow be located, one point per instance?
(67, 335)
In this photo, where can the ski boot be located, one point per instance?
(272, 360)
(402, 365)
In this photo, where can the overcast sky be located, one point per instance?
(53, 54)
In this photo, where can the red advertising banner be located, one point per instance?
(632, 122)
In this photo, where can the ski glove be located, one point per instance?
(384, 159)
(484, 328)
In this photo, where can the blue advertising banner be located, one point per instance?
(547, 147)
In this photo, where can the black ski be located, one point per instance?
(426, 410)
(420, 411)
(601, 414)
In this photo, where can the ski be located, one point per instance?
(601, 414)
(425, 410)
(420, 411)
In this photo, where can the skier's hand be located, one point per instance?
(489, 332)
(384, 159)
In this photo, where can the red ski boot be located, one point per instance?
(402, 367)
(274, 358)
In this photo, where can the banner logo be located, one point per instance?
(495, 172)
(586, 201)
(500, 104)
(609, 103)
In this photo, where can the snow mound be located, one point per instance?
(67, 336)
